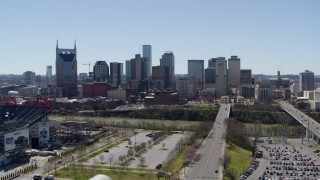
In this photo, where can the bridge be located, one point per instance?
(312, 126)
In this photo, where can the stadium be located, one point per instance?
(22, 126)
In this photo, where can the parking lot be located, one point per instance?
(156, 154)
(153, 156)
(285, 161)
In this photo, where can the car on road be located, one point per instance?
(106, 151)
(159, 166)
(161, 174)
(37, 177)
(50, 177)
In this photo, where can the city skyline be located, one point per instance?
(267, 36)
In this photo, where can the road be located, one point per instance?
(207, 164)
(302, 118)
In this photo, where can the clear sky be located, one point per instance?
(267, 35)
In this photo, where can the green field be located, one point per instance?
(270, 130)
(130, 122)
(240, 160)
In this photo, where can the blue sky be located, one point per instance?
(266, 35)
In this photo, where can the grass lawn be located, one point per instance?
(178, 163)
(272, 130)
(117, 121)
(84, 174)
(240, 160)
(96, 153)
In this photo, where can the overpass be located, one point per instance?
(312, 126)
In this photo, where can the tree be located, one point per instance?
(163, 145)
(143, 146)
(142, 160)
(122, 159)
(130, 153)
(129, 143)
(94, 161)
(110, 159)
(149, 142)
(101, 158)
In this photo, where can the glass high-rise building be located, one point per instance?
(101, 71)
(116, 73)
(167, 60)
(49, 75)
(306, 81)
(66, 71)
(29, 78)
(147, 53)
(234, 71)
(219, 66)
(196, 69)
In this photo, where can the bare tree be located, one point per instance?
(163, 145)
(94, 161)
(149, 142)
(130, 153)
(129, 143)
(102, 158)
(55, 164)
(73, 167)
(143, 146)
(110, 159)
(142, 160)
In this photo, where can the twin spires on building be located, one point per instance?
(75, 44)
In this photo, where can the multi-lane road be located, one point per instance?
(305, 120)
(207, 165)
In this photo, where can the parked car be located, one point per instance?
(37, 177)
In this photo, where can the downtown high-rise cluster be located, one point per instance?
(219, 77)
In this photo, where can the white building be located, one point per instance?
(118, 94)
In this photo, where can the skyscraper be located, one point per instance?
(167, 60)
(160, 76)
(219, 65)
(101, 71)
(116, 73)
(306, 81)
(66, 71)
(29, 78)
(147, 53)
(196, 69)
(234, 71)
(135, 68)
(49, 75)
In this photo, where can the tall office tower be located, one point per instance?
(167, 60)
(196, 69)
(234, 71)
(128, 70)
(247, 88)
(29, 78)
(101, 71)
(245, 77)
(160, 76)
(49, 75)
(116, 73)
(220, 66)
(135, 68)
(147, 53)
(306, 81)
(66, 71)
(210, 77)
